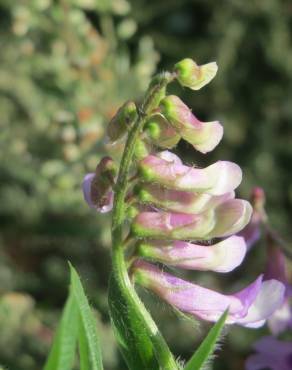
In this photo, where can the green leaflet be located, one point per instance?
(77, 323)
(88, 336)
(208, 346)
(62, 354)
(84, 360)
(134, 344)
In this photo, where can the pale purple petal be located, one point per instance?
(86, 187)
(180, 201)
(268, 300)
(276, 264)
(169, 157)
(273, 346)
(204, 136)
(281, 319)
(231, 217)
(221, 257)
(252, 232)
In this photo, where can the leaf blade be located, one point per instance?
(61, 356)
(88, 322)
(207, 347)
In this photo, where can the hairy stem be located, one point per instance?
(161, 350)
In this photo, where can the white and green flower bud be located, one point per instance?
(189, 74)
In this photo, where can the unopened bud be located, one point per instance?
(120, 123)
(161, 132)
(97, 187)
(189, 74)
(142, 149)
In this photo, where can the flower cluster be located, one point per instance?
(185, 216)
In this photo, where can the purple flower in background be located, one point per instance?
(281, 319)
(249, 307)
(252, 232)
(272, 354)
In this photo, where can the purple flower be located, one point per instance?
(97, 187)
(204, 136)
(219, 178)
(272, 354)
(224, 220)
(281, 319)
(221, 257)
(252, 232)
(249, 307)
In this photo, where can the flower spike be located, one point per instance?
(168, 212)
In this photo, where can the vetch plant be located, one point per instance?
(178, 215)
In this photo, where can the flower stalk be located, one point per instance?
(120, 273)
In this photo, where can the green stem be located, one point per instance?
(161, 350)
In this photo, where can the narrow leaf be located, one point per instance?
(89, 324)
(62, 353)
(83, 349)
(208, 346)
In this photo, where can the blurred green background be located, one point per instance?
(65, 68)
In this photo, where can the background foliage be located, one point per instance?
(65, 68)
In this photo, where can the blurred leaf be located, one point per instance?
(62, 353)
(89, 343)
(207, 347)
